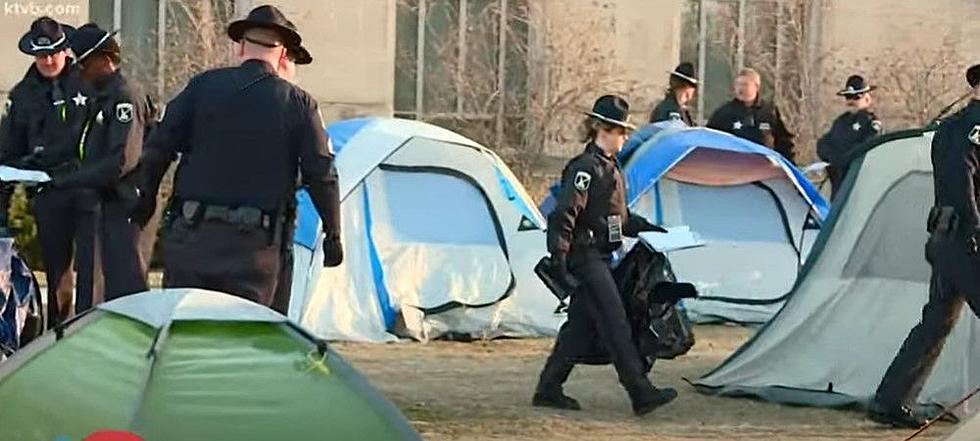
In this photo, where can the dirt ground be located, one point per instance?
(481, 391)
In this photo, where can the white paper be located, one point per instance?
(676, 238)
(11, 174)
(815, 167)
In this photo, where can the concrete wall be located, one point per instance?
(648, 35)
(353, 47)
(15, 18)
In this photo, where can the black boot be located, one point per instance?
(902, 417)
(647, 398)
(556, 400)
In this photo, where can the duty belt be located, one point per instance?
(241, 216)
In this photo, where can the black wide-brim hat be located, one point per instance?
(856, 85)
(612, 109)
(88, 39)
(46, 36)
(266, 17)
(299, 55)
(973, 75)
(685, 71)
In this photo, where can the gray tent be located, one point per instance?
(860, 293)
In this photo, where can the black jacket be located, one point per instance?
(956, 168)
(243, 134)
(670, 110)
(111, 140)
(759, 123)
(849, 130)
(42, 121)
(591, 209)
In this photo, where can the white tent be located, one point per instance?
(439, 237)
(858, 297)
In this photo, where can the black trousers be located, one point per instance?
(67, 220)
(284, 282)
(595, 311)
(122, 266)
(218, 256)
(955, 281)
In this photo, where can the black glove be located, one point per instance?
(146, 206)
(333, 252)
(559, 271)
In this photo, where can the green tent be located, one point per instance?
(189, 364)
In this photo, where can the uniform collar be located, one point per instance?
(595, 150)
(756, 103)
(105, 84)
(259, 66)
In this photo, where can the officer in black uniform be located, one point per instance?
(42, 122)
(295, 56)
(749, 116)
(587, 225)
(682, 86)
(109, 150)
(851, 129)
(952, 250)
(243, 134)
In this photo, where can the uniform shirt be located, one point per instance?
(956, 166)
(42, 120)
(591, 209)
(112, 138)
(848, 131)
(243, 134)
(759, 123)
(670, 110)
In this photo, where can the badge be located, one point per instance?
(582, 181)
(856, 126)
(99, 118)
(124, 112)
(737, 125)
(765, 126)
(876, 125)
(80, 99)
(674, 116)
(615, 225)
(974, 136)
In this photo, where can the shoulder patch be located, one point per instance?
(765, 126)
(124, 112)
(7, 106)
(974, 135)
(675, 116)
(876, 124)
(582, 181)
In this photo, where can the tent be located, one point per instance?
(859, 295)
(755, 210)
(440, 239)
(20, 300)
(185, 364)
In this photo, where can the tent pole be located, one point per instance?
(945, 412)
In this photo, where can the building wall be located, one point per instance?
(353, 47)
(16, 17)
(648, 35)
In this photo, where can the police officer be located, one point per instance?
(242, 133)
(952, 250)
(851, 129)
(587, 225)
(42, 122)
(109, 149)
(280, 300)
(749, 116)
(682, 86)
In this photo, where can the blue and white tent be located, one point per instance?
(439, 237)
(756, 212)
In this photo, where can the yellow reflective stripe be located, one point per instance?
(81, 141)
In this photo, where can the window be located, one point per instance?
(462, 63)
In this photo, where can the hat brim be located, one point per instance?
(26, 48)
(615, 122)
(851, 92)
(300, 55)
(237, 29)
(80, 57)
(691, 80)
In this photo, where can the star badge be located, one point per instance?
(856, 126)
(79, 99)
(737, 125)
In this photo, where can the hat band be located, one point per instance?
(262, 43)
(47, 47)
(684, 77)
(97, 45)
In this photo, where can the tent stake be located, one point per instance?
(945, 412)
